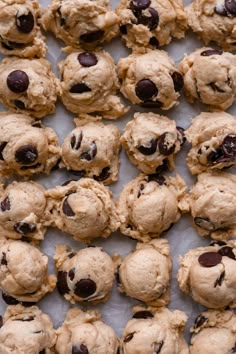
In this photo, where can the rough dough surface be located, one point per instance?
(26, 330)
(151, 23)
(22, 207)
(20, 33)
(213, 139)
(154, 331)
(144, 274)
(26, 146)
(28, 86)
(208, 275)
(214, 332)
(150, 79)
(151, 141)
(84, 208)
(160, 195)
(24, 271)
(92, 148)
(85, 332)
(210, 76)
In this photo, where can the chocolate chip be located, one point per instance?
(209, 52)
(151, 20)
(4, 259)
(199, 321)
(85, 288)
(178, 81)
(230, 6)
(75, 141)
(2, 146)
(215, 156)
(154, 42)
(67, 210)
(80, 88)
(26, 154)
(24, 228)
(5, 204)
(227, 252)
(71, 274)
(162, 168)
(9, 45)
(87, 59)
(140, 4)
(145, 90)
(158, 347)
(219, 243)
(157, 178)
(229, 145)
(25, 23)
(220, 10)
(18, 81)
(91, 36)
(103, 175)
(81, 349)
(149, 149)
(166, 148)
(9, 300)
(219, 280)
(204, 223)
(182, 135)
(90, 154)
(71, 255)
(19, 104)
(62, 285)
(129, 337)
(123, 29)
(209, 259)
(1, 321)
(143, 315)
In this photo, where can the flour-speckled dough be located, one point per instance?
(160, 196)
(28, 86)
(208, 274)
(150, 79)
(85, 332)
(92, 148)
(151, 141)
(210, 77)
(154, 331)
(84, 208)
(151, 23)
(26, 330)
(213, 139)
(20, 34)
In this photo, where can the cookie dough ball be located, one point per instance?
(145, 273)
(154, 331)
(22, 207)
(209, 76)
(160, 196)
(26, 146)
(208, 275)
(85, 332)
(26, 330)
(92, 149)
(151, 141)
(84, 208)
(150, 79)
(213, 139)
(28, 86)
(20, 33)
(151, 23)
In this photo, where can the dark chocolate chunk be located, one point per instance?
(145, 90)
(24, 228)
(209, 259)
(204, 223)
(230, 6)
(62, 285)
(80, 349)
(92, 36)
(75, 141)
(85, 288)
(151, 20)
(9, 300)
(178, 81)
(218, 242)
(154, 42)
(26, 154)
(103, 175)
(209, 52)
(25, 23)
(143, 315)
(2, 147)
(71, 274)
(229, 145)
(157, 178)
(162, 168)
(166, 148)
(123, 29)
(81, 87)
(182, 135)
(140, 4)
(215, 155)
(67, 210)
(199, 321)
(129, 337)
(19, 104)
(227, 252)
(219, 280)
(4, 259)
(91, 153)
(18, 81)
(87, 59)
(149, 148)
(5, 204)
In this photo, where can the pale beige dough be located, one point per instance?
(92, 148)
(26, 330)
(211, 79)
(213, 139)
(84, 208)
(40, 95)
(87, 333)
(208, 275)
(160, 196)
(144, 274)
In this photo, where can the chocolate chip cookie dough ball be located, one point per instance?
(151, 141)
(213, 139)
(151, 23)
(26, 330)
(209, 76)
(20, 33)
(150, 79)
(28, 86)
(144, 274)
(208, 275)
(92, 149)
(85, 332)
(160, 196)
(154, 331)
(84, 208)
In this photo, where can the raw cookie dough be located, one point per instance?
(214, 20)
(149, 205)
(26, 147)
(84, 276)
(22, 206)
(20, 33)
(144, 274)
(154, 331)
(214, 332)
(81, 23)
(26, 330)
(89, 83)
(85, 332)
(24, 272)
(28, 86)
(208, 274)
(213, 139)
(92, 148)
(151, 141)
(84, 208)
(150, 79)
(151, 23)
(210, 76)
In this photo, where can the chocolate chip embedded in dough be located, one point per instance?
(87, 59)
(80, 349)
(18, 81)
(25, 23)
(85, 288)
(5, 204)
(146, 90)
(148, 148)
(62, 285)
(199, 321)
(92, 36)
(129, 337)
(209, 259)
(67, 210)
